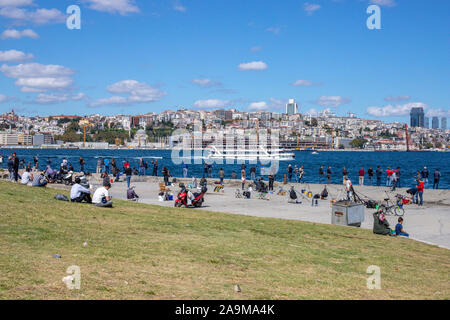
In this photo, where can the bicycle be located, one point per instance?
(394, 210)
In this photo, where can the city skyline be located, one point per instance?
(134, 57)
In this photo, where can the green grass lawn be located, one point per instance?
(137, 251)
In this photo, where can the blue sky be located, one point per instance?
(134, 57)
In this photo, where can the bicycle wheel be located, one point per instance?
(399, 211)
(389, 211)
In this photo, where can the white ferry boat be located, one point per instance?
(259, 153)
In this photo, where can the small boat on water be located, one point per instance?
(315, 152)
(259, 154)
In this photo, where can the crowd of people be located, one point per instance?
(105, 166)
(372, 176)
(79, 193)
(393, 177)
(31, 176)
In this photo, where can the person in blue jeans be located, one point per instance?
(39, 180)
(128, 173)
(141, 167)
(419, 194)
(106, 168)
(290, 171)
(399, 228)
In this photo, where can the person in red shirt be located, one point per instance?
(361, 176)
(419, 194)
(389, 173)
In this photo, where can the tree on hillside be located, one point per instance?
(358, 143)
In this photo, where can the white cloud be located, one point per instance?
(397, 98)
(137, 92)
(16, 34)
(306, 83)
(394, 110)
(35, 70)
(312, 112)
(255, 65)
(44, 16)
(438, 113)
(43, 84)
(50, 98)
(179, 7)
(115, 100)
(15, 3)
(12, 9)
(274, 30)
(384, 3)
(310, 8)
(331, 101)
(35, 77)
(258, 106)
(40, 16)
(207, 83)
(123, 7)
(79, 96)
(210, 104)
(14, 56)
(4, 98)
(256, 48)
(279, 104)
(13, 13)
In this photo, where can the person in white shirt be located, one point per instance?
(101, 196)
(78, 193)
(394, 180)
(348, 188)
(27, 177)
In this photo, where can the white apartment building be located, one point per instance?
(9, 139)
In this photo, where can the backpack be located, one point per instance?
(293, 194)
(371, 204)
(61, 197)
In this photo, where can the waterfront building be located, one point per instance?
(444, 123)
(9, 139)
(435, 123)
(25, 139)
(417, 117)
(43, 138)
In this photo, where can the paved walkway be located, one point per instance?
(430, 223)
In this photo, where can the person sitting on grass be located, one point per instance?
(101, 196)
(399, 228)
(78, 193)
(27, 177)
(380, 224)
(131, 194)
(39, 180)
